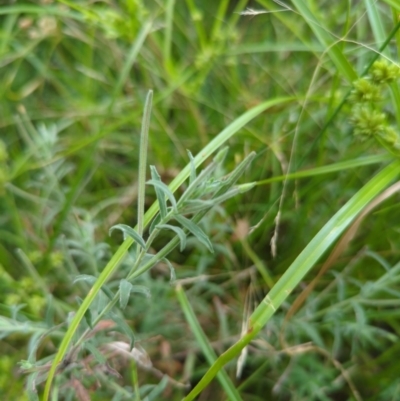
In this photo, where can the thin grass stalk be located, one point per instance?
(144, 138)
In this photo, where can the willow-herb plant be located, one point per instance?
(368, 119)
(179, 216)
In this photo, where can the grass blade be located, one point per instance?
(334, 51)
(300, 267)
(204, 344)
(144, 137)
(132, 56)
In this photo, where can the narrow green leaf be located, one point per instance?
(197, 205)
(88, 313)
(179, 232)
(300, 267)
(333, 49)
(31, 387)
(160, 194)
(239, 189)
(144, 137)
(85, 277)
(195, 230)
(220, 157)
(129, 231)
(193, 175)
(236, 174)
(165, 189)
(130, 60)
(172, 276)
(204, 344)
(199, 181)
(330, 168)
(154, 223)
(378, 28)
(156, 393)
(169, 18)
(125, 328)
(98, 356)
(141, 289)
(124, 293)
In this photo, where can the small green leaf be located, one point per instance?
(124, 327)
(195, 230)
(141, 289)
(199, 183)
(85, 277)
(160, 194)
(197, 205)
(100, 358)
(31, 387)
(129, 231)
(154, 223)
(236, 174)
(221, 155)
(192, 168)
(179, 232)
(88, 313)
(125, 288)
(165, 189)
(172, 276)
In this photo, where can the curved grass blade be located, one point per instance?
(204, 344)
(300, 267)
(330, 168)
(335, 53)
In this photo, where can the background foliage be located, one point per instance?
(73, 81)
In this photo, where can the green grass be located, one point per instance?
(292, 274)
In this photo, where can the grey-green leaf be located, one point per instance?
(179, 232)
(129, 231)
(165, 189)
(236, 174)
(154, 223)
(125, 288)
(195, 230)
(160, 194)
(142, 290)
(172, 276)
(193, 175)
(85, 277)
(121, 323)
